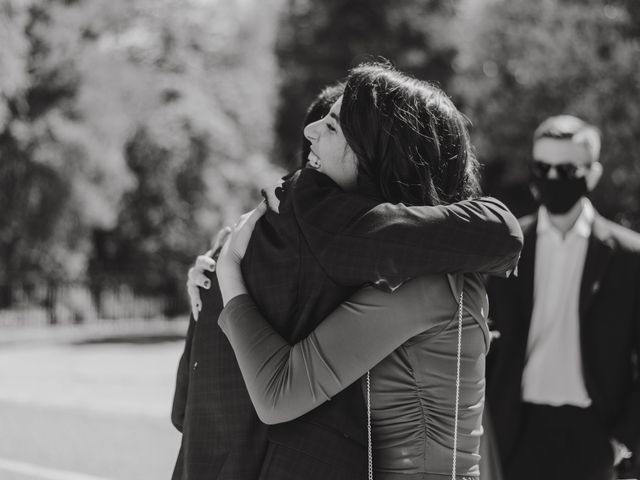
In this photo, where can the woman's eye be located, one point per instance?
(331, 127)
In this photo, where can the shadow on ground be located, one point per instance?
(132, 339)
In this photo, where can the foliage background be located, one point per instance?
(130, 131)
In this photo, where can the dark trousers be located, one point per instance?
(563, 443)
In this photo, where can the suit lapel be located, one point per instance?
(598, 254)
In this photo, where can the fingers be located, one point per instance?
(236, 245)
(205, 264)
(250, 218)
(219, 240)
(270, 194)
(260, 210)
(242, 221)
(247, 222)
(197, 278)
(195, 300)
(256, 213)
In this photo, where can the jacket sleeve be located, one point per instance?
(358, 240)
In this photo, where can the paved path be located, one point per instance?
(92, 410)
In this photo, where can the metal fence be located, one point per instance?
(75, 303)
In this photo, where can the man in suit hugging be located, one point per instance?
(563, 386)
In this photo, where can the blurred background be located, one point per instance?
(131, 130)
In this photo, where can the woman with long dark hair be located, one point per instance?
(388, 139)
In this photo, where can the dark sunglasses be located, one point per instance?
(564, 171)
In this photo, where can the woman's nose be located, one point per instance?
(310, 131)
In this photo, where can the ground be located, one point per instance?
(89, 403)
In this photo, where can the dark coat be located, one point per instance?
(299, 265)
(609, 312)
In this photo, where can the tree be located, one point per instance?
(319, 42)
(524, 61)
(198, 153)
(41, 158)
(109, 105)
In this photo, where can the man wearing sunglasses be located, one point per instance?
(563, 385)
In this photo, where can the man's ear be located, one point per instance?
(594, 175)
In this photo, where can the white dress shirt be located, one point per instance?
(553, 370)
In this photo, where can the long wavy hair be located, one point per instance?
(411, 142)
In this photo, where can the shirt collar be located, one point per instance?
(582, 227)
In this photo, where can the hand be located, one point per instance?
(235, 247)
(232, 253)
(196, 278)
(620, 452)
(272, 196)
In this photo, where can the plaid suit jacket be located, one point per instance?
(299, 265)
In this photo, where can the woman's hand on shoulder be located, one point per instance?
(206, 262)
(272, 196)
(234, 241)
(237, 241)
(232, 253)
(196, 279)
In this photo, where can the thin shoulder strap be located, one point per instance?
(369, 443)
(457, 407)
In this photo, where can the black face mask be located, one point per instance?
(558, 196)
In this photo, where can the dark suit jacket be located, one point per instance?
(609, 310)
(299, 265)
